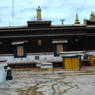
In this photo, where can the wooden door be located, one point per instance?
(68, 63)
(75, 63)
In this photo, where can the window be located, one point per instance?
(37, 58)
(59, 45)
(59, 48)
(20, 51)
(39, 42)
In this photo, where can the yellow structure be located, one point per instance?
(47, 69)
(71, 60)
(92, 60)
(71, 63)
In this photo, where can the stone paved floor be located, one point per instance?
(49, 83)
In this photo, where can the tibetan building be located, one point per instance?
(42, 37)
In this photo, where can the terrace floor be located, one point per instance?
(58, 82)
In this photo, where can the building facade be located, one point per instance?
(41, 36)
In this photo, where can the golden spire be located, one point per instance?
(77, 19)
(38, 11)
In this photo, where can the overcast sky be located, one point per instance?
(54, 10)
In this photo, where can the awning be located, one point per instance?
(59, 41)
(19, 42)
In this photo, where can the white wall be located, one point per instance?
(31, 57)
(2, 72)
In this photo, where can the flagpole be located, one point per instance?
(12, 13)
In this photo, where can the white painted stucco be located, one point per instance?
(47, 57)
(2, 72)
(31, 58)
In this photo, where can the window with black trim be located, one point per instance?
(59, 48)
(20, 51)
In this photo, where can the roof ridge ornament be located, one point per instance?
(77, 21)
(38, 13)
(92, 16)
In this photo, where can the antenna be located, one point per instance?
(62, 21)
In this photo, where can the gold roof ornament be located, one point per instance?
(92, 16)
(38, 12)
